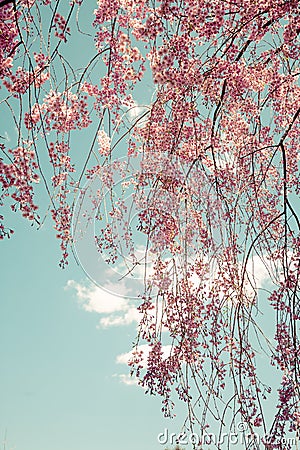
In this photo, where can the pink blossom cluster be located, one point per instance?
(62, 112)
(212, 171)
(62, 219)
(125, 63)
(8, 40)
(61, 28)
(17, 178)
(20, 81)
(103, 143)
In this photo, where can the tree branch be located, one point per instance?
(5, 2)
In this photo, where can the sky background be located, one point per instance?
(64, 383)
(61, 385)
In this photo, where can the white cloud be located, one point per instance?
(257, 271)
(127, 379)
(116, 310)
(98, 300)
(132, 315)
(123, 358)
(256, 277)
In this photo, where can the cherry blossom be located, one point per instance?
(207, 177)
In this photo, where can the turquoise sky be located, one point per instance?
(59, 383)
(62, 383)
(61, 387)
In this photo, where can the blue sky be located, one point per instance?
(64, 383)
(61, 387)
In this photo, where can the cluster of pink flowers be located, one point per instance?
(17, 180)
(8, 40)
(227, 193)
(61, 28)
(104, 143)
(62, 217)
(214, 173)
(62, 112)
(20, 81)
(125, 63)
